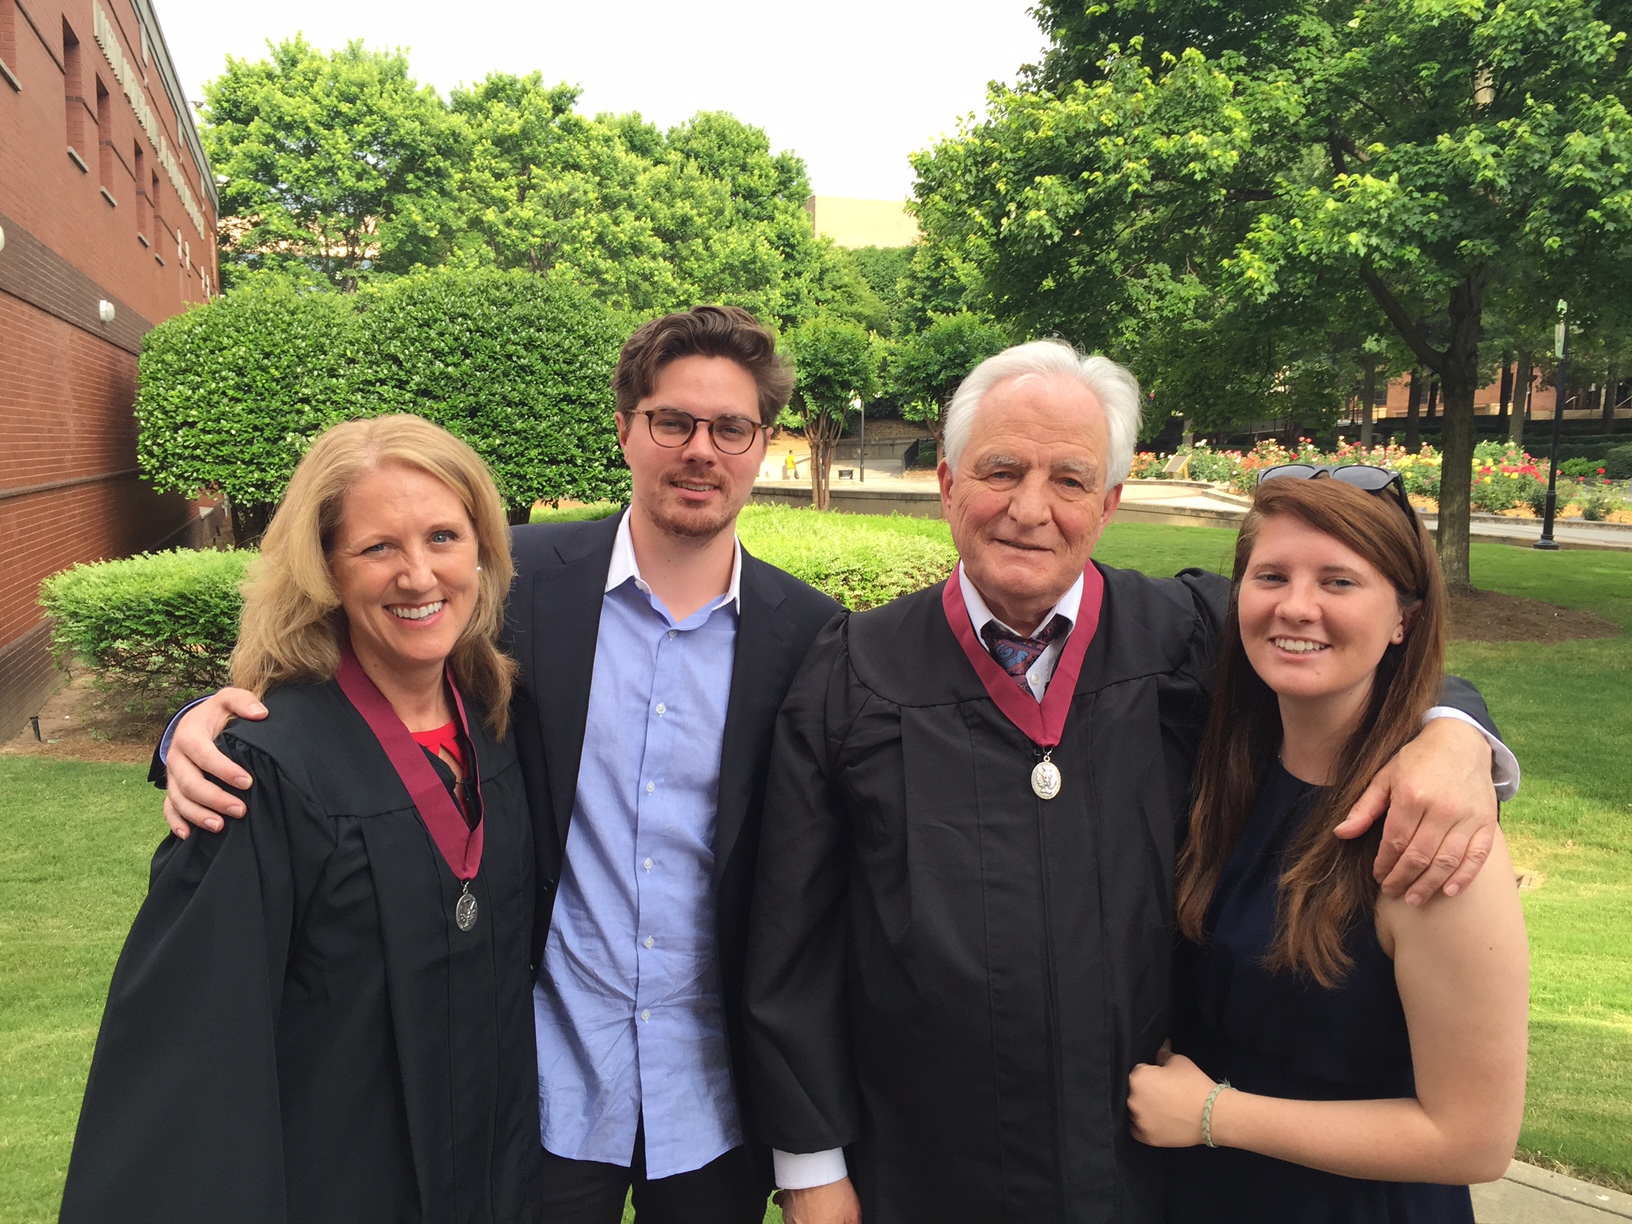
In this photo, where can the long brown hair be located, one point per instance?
(292, 624)
(1326, 883)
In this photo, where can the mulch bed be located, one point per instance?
(1486, 616)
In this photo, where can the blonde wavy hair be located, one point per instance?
(292, 623)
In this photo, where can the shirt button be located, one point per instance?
(646, 1015)
(674, 633)
(649, 941)
(647, 864)
(650, 787)
(662, 709)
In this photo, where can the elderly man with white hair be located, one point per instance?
(961, 930)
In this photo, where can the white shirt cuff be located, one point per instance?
(802, 1170)
(1504, 766)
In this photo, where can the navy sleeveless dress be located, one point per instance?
(1282, 1035)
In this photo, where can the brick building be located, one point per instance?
(107, 226)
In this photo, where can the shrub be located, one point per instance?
(1618, 463)
(153, 627)
(1597, 501)
(1147, 466)
(573, 514)
(1575, 469)
(860, 560)
(1535, 496)
(230, 392)
(519, 366)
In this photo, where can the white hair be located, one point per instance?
(1114, 386)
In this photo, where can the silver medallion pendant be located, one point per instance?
(464, 913)
(1045, 779)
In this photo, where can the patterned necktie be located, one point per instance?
(1016, 654)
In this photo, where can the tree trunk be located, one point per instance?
(1433, 400)
(518, 515)
(822, 431)
(1413, 416)
(1460, 376)
(820, 452)
(1368, 393)
(1521, 399)
(248, 523)
(1507, 391)
(1611, 381)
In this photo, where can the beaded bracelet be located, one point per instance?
(1207, 1113)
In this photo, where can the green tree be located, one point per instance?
(230, 392)
(519, 366)
(926, 367)
(837, 364)
(1424, 152)
(337, 162)
(884, 269)
(546, 190)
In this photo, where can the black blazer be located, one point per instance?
(553, 617)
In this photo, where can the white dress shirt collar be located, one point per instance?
(624, 566)
(979, 614)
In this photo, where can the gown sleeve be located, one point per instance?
(800, 1073)
(181, 1115)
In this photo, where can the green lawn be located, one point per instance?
(75, 840)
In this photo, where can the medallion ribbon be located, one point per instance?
(1043, 722)
(460, 845)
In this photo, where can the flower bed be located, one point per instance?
(1506, 480)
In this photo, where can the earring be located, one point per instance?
(478, 569)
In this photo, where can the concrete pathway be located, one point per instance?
(1569, 533)
(1528, 1195)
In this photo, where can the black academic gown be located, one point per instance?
(948, 976)
(297, 1031)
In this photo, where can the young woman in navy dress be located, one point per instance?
(1338, 1055)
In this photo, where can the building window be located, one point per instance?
(104, 142)
(144, 207)
(73, 96)
(8, 42)
(158, 220)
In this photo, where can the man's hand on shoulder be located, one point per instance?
(834, 1203)
(1442, 812)
(190, 798)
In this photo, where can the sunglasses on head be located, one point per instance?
(1360, 475)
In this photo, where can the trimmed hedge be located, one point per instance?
(860, 560)
(161, 626)
(153, 627)
(517, 365)
(232, 391)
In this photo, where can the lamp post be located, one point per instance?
(855, 402)
(1561, 350)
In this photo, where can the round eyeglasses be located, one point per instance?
(732, 435)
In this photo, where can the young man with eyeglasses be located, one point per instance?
(654, 652)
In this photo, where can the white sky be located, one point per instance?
(852, 86)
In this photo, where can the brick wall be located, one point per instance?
(79, 230)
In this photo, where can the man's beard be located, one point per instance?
(688, 521)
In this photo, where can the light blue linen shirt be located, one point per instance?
(630, 1019)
